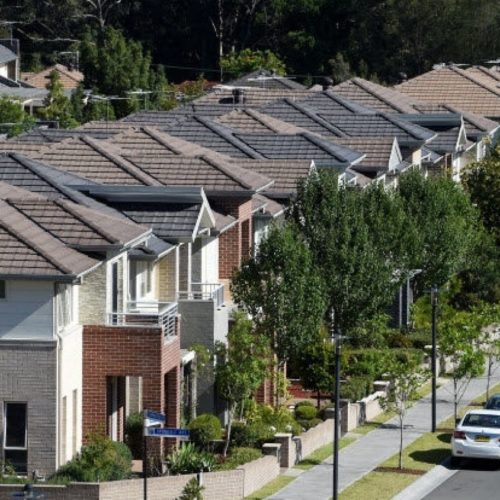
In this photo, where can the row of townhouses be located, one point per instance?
(118, 240)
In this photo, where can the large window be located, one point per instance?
(15, 435)
(64, 305)
(3, 289)
(141, 280)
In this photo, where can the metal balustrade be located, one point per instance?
(204, 291)
(148, 314)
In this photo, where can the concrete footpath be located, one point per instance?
(370, 450)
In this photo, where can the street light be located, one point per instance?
(337, 338)
(434, 298)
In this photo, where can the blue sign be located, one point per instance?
(154, 416)
(166, 432)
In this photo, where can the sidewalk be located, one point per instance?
(370, 450)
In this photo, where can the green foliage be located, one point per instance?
(305, 412)
(307, 424)
(304, 403)
(283, 291)
(373, 332)
(100, 460)
(356, 388)
(188, 459)
(204, 429)
(482, 181)
(192, 490)
(247, 60)
(239, 456)
(57, 107)
(341, 69)
(134, 426)
(252, 435)
(13, 119)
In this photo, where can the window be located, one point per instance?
(15, 435)
(64, 305)
(141, 279)
(3, 289)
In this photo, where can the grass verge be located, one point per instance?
(424, 453)
(316, 457)
(271, 488)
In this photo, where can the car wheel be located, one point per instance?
(455, 461)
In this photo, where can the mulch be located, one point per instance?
(397, 470)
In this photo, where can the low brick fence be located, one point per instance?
(316, 437)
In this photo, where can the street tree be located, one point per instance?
(355, 239)
(446, 223)
(459, 342)
(405, 379)
(241, 366)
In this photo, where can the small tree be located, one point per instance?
(13, 119)
(247, 60)
(405, 379)
(57, 107)
(192, 491)
(460, 342)
(241, 366)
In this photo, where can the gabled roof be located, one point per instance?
(336, 103)
(174, 214)
(457, 87)
(54, 135)
(265, 79)
(95, 160)
(27, 250)
(211, 173)
(264, 206)
(69, 78)
(374, 96)
(302, 116)
(489, 75)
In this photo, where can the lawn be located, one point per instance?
(271, 488)
(377, 485)
(321, 454)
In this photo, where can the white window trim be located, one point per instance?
(4, 430)
(72, 316)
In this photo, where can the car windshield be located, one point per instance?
(481, 420)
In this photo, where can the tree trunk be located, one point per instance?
(488, 377)
(318, 396)
(228, 432)
(455, 399)
(401, 443)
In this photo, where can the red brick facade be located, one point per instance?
(234, 244)
(110, 351)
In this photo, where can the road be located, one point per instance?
(476, 480)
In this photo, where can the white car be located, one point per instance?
(477, 436)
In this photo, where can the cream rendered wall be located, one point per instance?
(4, 71)
(416, 157)
(210, 260)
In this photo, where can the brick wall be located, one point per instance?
(74, 491)
(258, 473)
(138, 352)
(28, 374)
(316, 437)
(167, 278)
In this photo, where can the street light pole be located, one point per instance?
(336, 437)
(434, 292)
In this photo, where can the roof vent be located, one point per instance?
(403, 77)
(439, 66)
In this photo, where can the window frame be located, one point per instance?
(64, 297)
(5, 293)
(141, 280)
(4, 430)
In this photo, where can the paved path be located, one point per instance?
(375, 447)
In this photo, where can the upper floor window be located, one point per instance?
(64, 305)
(140, 279)
(3, 289)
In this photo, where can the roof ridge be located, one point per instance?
(314, 116)
(406, 126)
(256, 116)
(226, 171)
(471, 78)
(361, 83)
(273, 123)
(157, 135)
(221, 131)
(29, 243)
(118, 160)
(328, 146)
(351, 105)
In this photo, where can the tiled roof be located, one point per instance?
(336, 103)
(69, 78)
(446, 141)
(250, 97)
(267, 206)
(54, 135)
(489, 75)
(266, 80)
(210, 173)
(285, 173)
(377, 150)
(457, 87)
(28, 250)
(374, 96)
(95, 160)
(10, 191)
(223, 222)
(302, 116)
(29, 148)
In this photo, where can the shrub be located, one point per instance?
(309, 424)
(420, 339)
(321, 413)
(356, 388)
(204, 429)
(133, 434)
(252, 435)
(305, 403)
(192, 490)
(305, 412)
(188, 460)
(239, 456)
(101, 460)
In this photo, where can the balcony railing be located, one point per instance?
(148, 314)
(204, 291)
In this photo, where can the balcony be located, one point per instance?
(204, 291)
(150, 314)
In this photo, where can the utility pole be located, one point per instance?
(336, 337)
(434, 297)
